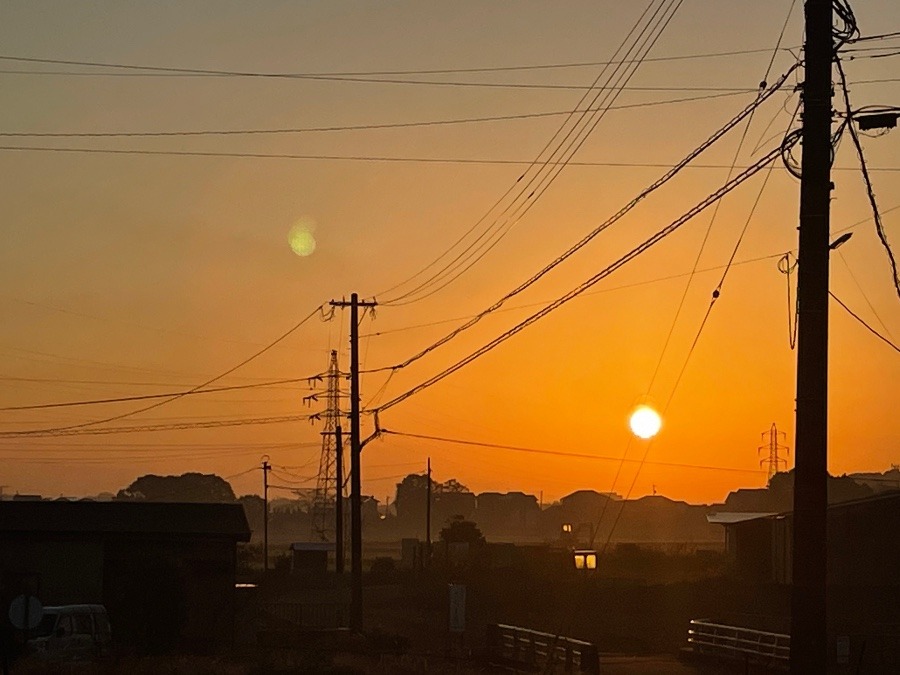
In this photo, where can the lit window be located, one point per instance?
(585, 560)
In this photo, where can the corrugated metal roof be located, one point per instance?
(731, 517)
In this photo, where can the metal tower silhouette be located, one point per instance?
(327, 489)
(773, 446)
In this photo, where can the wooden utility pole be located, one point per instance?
(266, 467)
(339, 501)
(428, 498)
(809, 641)
(356, 601)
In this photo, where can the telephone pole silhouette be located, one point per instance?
(328, 490)
(356, 601)
(266, 467)
(428, 500)
(772, 447)
(809, 637)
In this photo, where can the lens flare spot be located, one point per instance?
(301, 239)
(645, 422)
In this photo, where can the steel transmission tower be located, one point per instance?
(772, 447)
(327, 488)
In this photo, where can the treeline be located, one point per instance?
(581, 517)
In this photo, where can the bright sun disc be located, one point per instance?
(645, 422)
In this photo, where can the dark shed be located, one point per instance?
(164, 571)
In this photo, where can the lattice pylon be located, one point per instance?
(773, 459)
(327, 489)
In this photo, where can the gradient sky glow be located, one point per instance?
(129, 274)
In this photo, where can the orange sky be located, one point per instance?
(134, 274)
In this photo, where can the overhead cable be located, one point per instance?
(559, 453)
(863, 322)
(351, 127)
(374, 158)
(592, 281)
(173, 397)
(103, 431)
(870, 191)
(540, 172)
(436, 71)
(144, 397)
(671, 173)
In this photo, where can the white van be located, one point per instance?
(72, 632)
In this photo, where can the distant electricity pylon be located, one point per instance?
(773, 446)
(327, 488)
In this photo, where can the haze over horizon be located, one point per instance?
(126, 272)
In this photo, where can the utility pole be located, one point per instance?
(773, 446)
(809, 639)
(339, 501)
(428, 517)
(266, 467)
(356, 601)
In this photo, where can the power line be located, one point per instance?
(879, 227)
(881, 36)
(440, 83)
(352, 127)
(636, 284)
(145, 397)
(242, 473)
(863, 293)
(82, 430)
(175, 397)
(746, 112)
(715, 294)
(378, 158)
(530, 189)
(561, 453)
(589, 283)
(863, 322)
(577, 141)
(93, 448)
(439, 71)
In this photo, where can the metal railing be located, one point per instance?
(706, 637)
(536, 650)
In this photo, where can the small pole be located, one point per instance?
(339, 501)
(428, 517)
(266, 467)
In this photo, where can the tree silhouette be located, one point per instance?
(188, 487)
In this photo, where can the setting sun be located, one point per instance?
(645, 422)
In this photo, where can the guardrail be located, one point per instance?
(536, 650)
(708, 638)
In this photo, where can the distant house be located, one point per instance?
(509, 514)
(164, 571)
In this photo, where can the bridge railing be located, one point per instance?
(536, 650)
(707, 637)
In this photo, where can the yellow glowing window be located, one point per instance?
(585, 560)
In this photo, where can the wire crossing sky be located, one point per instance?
(161, 163)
